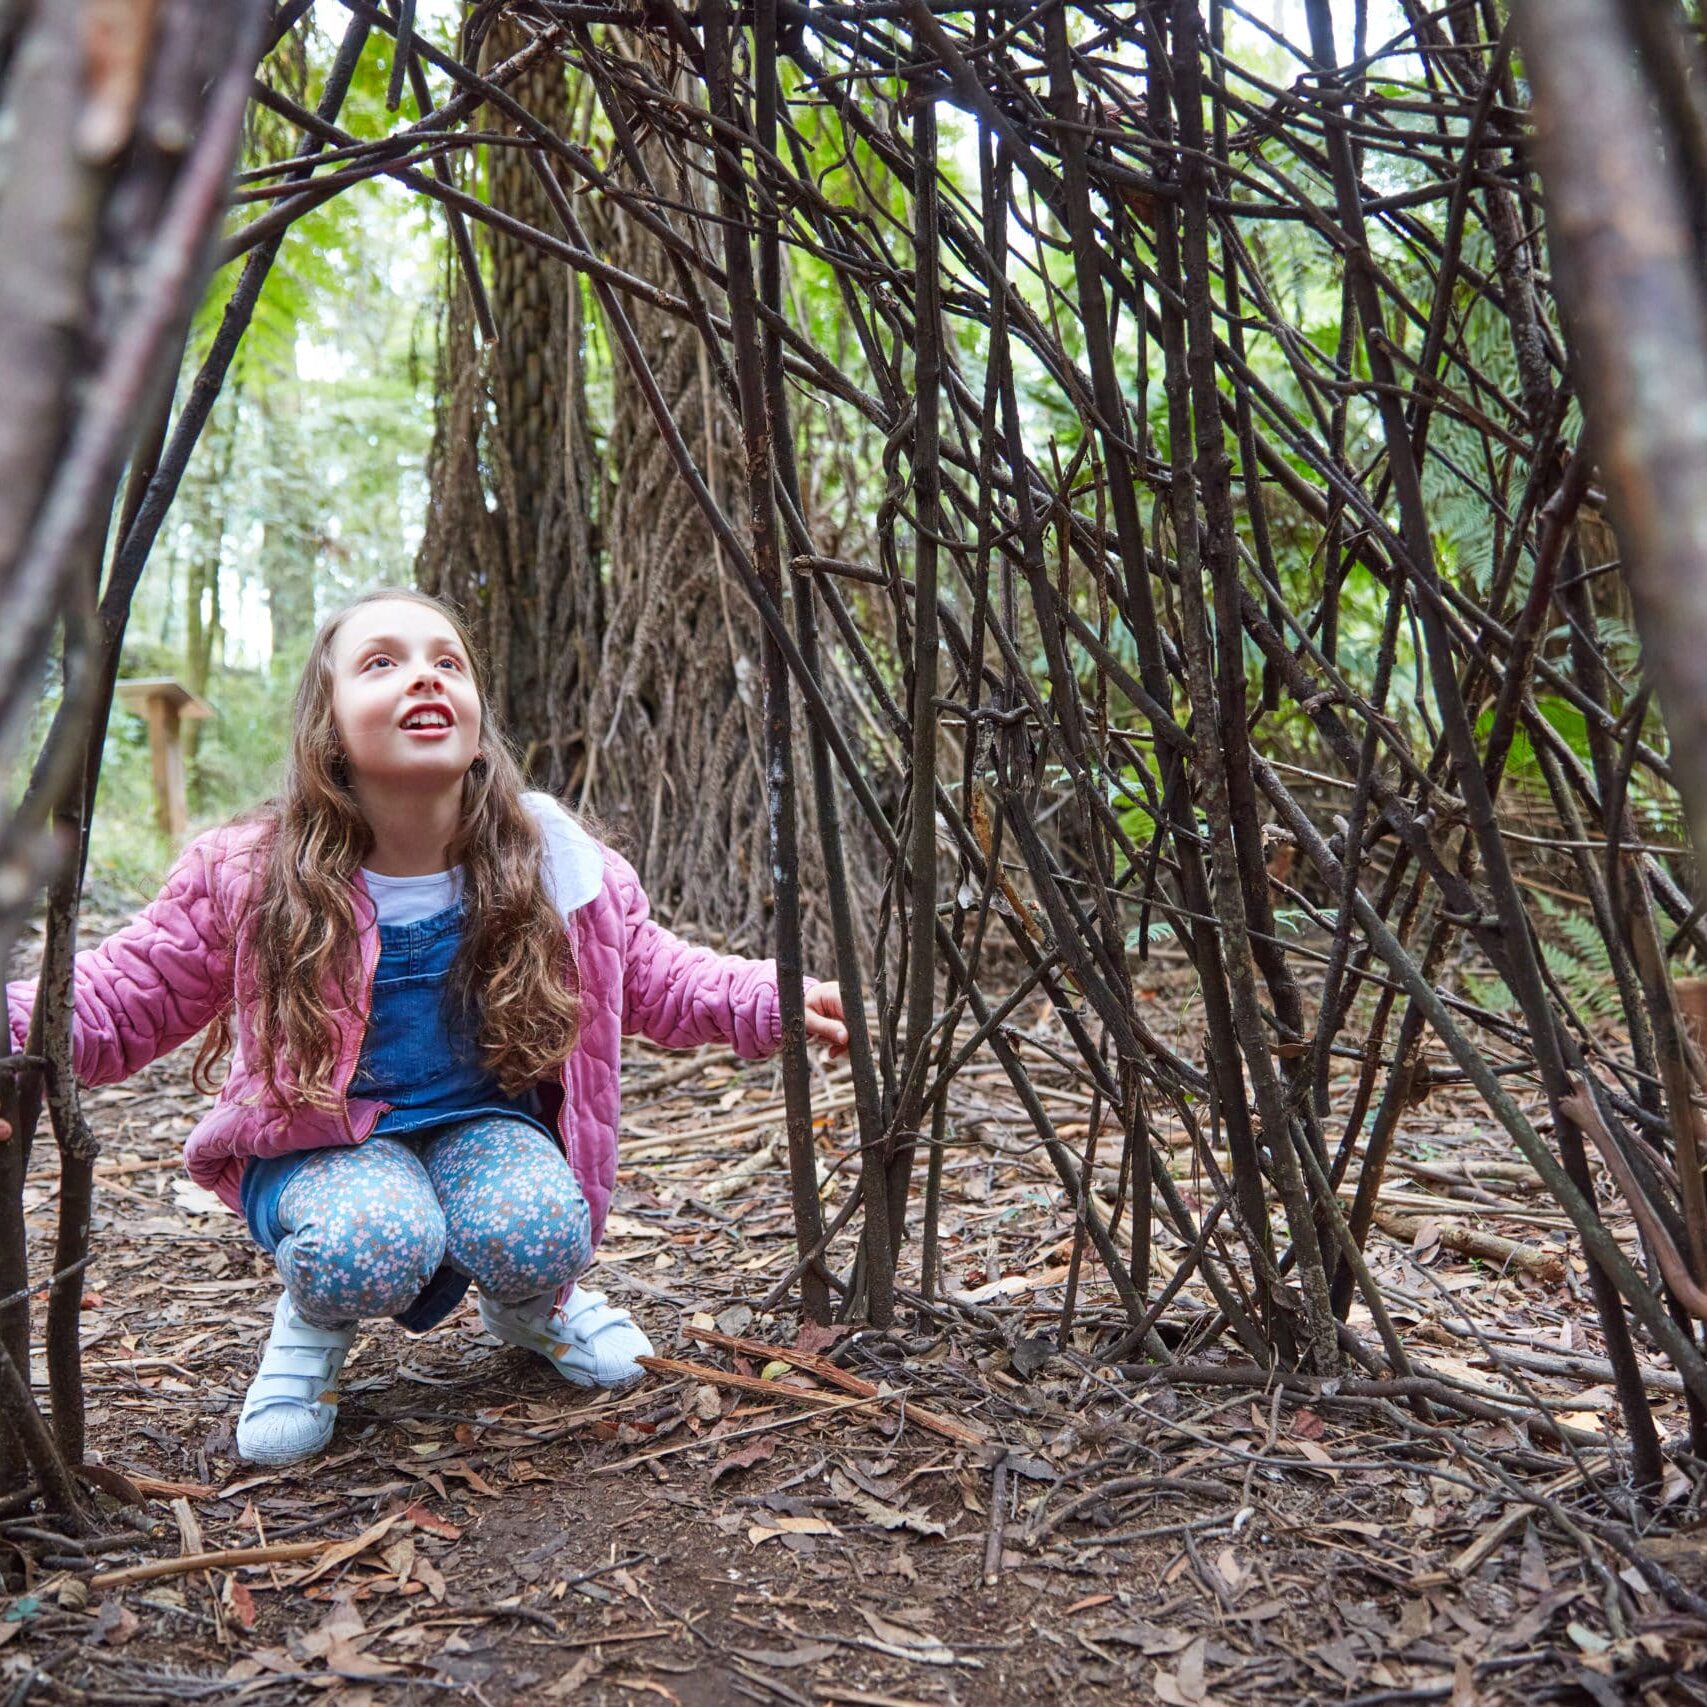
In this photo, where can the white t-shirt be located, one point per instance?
(574, 868)
(404, 900)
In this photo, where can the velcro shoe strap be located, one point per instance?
(290, 1361)
(587, 1315)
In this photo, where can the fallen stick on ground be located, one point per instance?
(836, 1376)
(678, 1074)
(754, 1120)
(277, 1553)
(1515, 1174)
(1419, 1203)
(1583, 1368)
(1476, 1242)
(712, 1441)
(1494, 1536)
(1507, 1348)
(741, 1383)
(744, 1172)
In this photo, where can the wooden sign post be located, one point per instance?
(165, 703)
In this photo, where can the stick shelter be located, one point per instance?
(1204, 494)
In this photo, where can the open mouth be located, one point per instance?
(430, 719)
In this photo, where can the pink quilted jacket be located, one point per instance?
(183, 959)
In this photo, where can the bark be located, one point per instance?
(675, 716)
(510, 535)
(1631, 283)
(106, 218)
(626, 660)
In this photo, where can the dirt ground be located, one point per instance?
(993, 1517)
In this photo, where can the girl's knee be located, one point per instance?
(363, 1233)
(520, 1246)
(358, 1261)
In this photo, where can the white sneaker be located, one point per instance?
(292, 1403)
(592, 1343)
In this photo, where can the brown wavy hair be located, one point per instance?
(513, 976)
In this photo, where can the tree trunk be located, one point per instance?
(674, 732)
(625, 657)
(209, 510)
(509, 535)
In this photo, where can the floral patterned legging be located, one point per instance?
(365, 1229)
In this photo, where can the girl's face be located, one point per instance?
(403, 695)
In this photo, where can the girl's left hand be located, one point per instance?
(824, 1018)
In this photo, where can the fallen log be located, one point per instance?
(1477, 1242)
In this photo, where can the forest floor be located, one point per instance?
(736, 1532)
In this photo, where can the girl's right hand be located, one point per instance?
(824, 1018)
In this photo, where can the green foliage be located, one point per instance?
(1585, 981)
(308, 481)
(1160, 931)
(1131, 799)
(1521, 765)
(1573, 953)
(1488, 991)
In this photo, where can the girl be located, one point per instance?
(423, 975)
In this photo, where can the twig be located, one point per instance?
(998, 1521)
(836, 1376)
(1477, 1242)
(228, 1559)
(718, 1441)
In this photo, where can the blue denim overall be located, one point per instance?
(420, 1059)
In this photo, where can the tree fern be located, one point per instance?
(1578, 961)
(1488, 991)
(1575, 958)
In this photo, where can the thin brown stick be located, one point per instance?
(836, 1376)
(227, 1559)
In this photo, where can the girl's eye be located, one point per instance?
(455, 663)
(377, 658)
